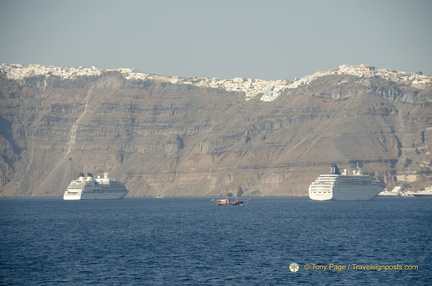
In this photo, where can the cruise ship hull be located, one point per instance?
(345, 194)
(75, 196)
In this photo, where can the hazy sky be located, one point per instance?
(271, 39)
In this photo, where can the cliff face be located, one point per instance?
(172, 139)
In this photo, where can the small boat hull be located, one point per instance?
(226, 202)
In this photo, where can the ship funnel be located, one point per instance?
(334, 169)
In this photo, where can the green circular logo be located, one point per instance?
(294, 267)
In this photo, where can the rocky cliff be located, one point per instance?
(200, 137)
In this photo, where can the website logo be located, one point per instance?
(294, 267)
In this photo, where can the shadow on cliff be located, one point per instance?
(6, 133)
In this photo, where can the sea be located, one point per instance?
(191, 241)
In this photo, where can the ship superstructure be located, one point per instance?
(340, 187)
(88, 188)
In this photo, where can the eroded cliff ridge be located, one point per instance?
(204, 137)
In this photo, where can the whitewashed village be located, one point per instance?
(269, 90)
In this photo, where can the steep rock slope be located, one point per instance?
(172, 139)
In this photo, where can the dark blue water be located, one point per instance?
(191, 241)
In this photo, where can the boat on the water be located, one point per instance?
(397, 191)
(88, 188)
(343, 186)
(423, 194)
(227, 202)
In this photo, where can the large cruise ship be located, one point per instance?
(343, 187)
(88, 188)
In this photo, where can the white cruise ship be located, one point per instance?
(343, 187)
(88, 188)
